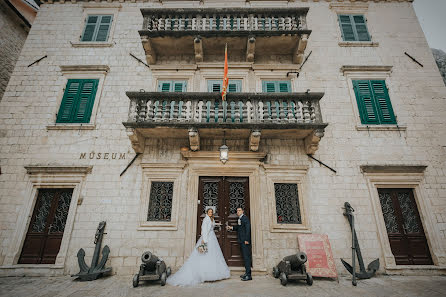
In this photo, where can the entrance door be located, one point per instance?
(404, 228)
(226, 194)
(45, 231)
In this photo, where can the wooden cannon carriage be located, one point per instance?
(293, 268)
(151, 269)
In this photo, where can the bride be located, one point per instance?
(202, 266)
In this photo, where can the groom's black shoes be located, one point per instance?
(246, 278)
(243, 275)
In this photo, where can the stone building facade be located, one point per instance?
(129, 82)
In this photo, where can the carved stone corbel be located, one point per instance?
(250, 49)
(198, 48)
(298, 55)
(254, 140)
(194, 139)
(312, 141)
(149, 50)
(136, 139)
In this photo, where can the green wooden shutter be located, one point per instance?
(234, 85)
(78, 101)
(172, 86)
(345, 22)
(164, 86)
(180, 86)
(382, 102)
(276, 86)
(104, 28)
(361, 28)
(90, 28)
(366, 102)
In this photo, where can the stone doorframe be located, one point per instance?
(204, 163)
(409, 177)
(44, 177)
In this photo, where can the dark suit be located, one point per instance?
(244, 234)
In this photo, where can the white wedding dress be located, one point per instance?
(198, 268)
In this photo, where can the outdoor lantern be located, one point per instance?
(224, 157)
(224, 153)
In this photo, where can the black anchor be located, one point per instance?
(356, 251)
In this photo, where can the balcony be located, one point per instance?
(200, 35)
(243, 115)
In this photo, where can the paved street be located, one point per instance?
(117, 286)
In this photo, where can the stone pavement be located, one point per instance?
(117, 286)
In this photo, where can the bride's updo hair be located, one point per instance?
(207, 212)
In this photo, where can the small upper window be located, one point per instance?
(217, 85)
(172, 86)
(280, 86)
(353, 27)
(97, 28)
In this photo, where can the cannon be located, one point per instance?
(151, 269)
(293, 268)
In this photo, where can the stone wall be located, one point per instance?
(33, 96)
(12, 37)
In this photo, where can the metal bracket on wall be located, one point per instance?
(38, 60)
(322, 163)
(139, 60)
(413, 59)
(130, 164)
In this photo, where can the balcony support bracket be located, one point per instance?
(136, 139)
(194, 139)
(150, 51)
(312, 141)
(250, 49)
(198, 48)
(254, 140)
(298, 55)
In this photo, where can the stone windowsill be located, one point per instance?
(290, 228)
(157, 228)
(91, 44)
(71, 127)
(358, 44)
(33, 266)
(381, 128)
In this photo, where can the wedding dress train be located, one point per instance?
(198, 268)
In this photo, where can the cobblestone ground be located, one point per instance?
(117, 286)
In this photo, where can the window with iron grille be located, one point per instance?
(287, 203)
(160, 204)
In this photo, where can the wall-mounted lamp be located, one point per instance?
(224, 150)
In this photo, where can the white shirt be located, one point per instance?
(239, 220)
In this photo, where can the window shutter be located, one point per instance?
(104, 28)
(164, 86)
(366, 104)
(361, 28)
(90, 28)
(232, 88)
(382, 101)
(70, 96)
(217, 86)
(85, 102)
(78, 101)
(276, 86)
(180, 86)
(345, 22)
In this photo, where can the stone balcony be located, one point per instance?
(200, 35)
(243, 115)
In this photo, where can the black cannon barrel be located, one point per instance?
(296, 260)
(150, 260)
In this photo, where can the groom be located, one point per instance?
(243, 229)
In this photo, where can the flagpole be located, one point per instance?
(225, 84)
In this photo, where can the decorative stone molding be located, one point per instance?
(311, 142)
(43, 169)
(365, 68)
(136, 139)
(84, 68)
(194, 139)
(98, 4)
(250, 49)
(347, 7)
(198, 48)
(254, 140)
(91, 44)
(393, 168)
(233, 156)
(358, 44)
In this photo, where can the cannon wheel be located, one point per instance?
(276, 272)
(169, 271)
(135, 280)
(309, 279)
(283, 279)
(163, 279)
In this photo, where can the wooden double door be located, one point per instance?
(45, 231)
(226, 194)
(404, 228)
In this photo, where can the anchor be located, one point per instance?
(356, 251)
(96, 269)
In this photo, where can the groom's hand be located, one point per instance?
(246, 242)
(229, 228)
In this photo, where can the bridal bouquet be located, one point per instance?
(202, 248)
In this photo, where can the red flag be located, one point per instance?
(225, 77)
